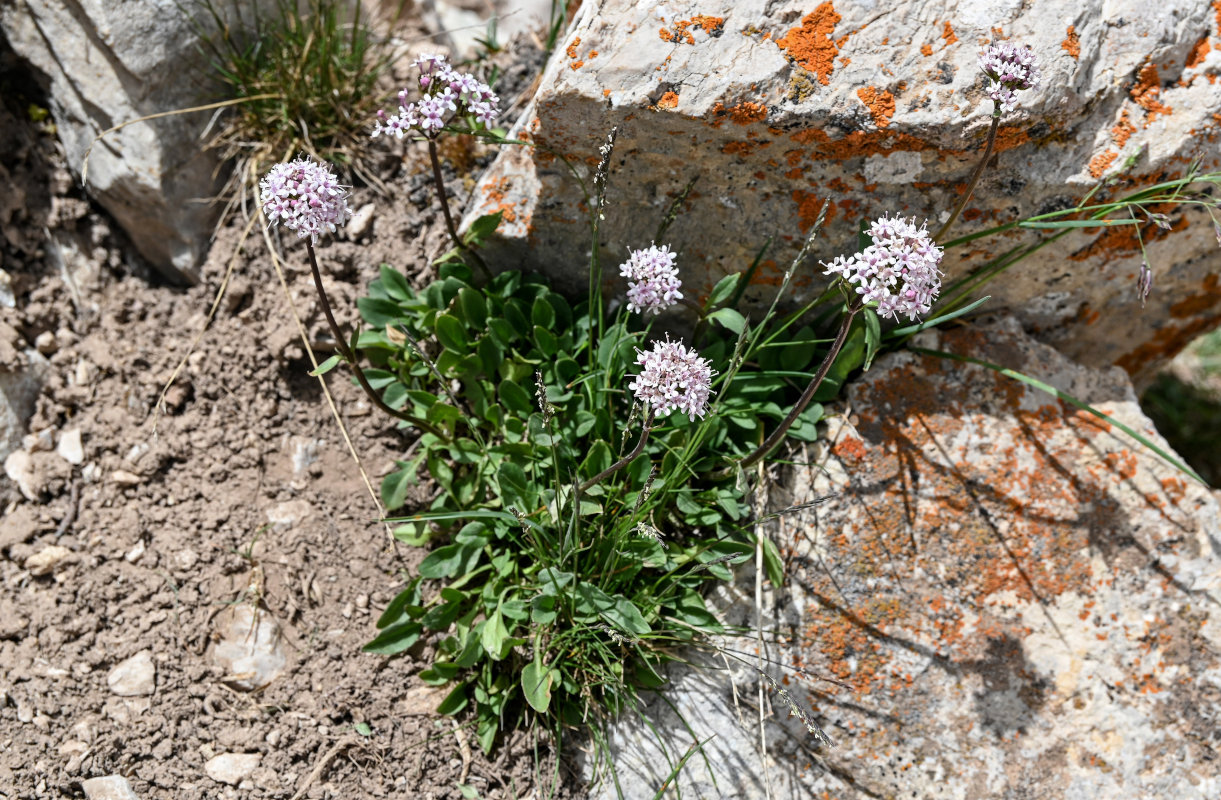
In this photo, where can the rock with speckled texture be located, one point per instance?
(1019, 599)
(775, 106)
(105, 64)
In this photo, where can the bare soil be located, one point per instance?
(242, 494)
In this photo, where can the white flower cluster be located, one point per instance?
(900, 271)
(1009, 69)
(652, 280)
(673, 378)
(445, 94)
(304, 196)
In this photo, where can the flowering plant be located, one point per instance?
(898, 271)
(1009, 68)
(444, 94)
(652, 280)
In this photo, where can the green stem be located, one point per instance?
(777, 435)
(349, 356)
(979, 170)
(443, 198)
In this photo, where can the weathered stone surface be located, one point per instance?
(111, 787)
(231, 768)
(1021, 600)
(777, 105)
(22, 372)
(108, 63)
(134, 677)
(250, 649)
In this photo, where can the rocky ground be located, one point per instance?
(144, 556)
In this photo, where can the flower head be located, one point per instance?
(1144, 283)
(304, 196)
(445, 93)
(673, 378)
(899, 271)
(1009, 69)
(652, 279)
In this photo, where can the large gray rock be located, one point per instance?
(106, 63)
(777, 104)
(22, 373)
(1021, 600)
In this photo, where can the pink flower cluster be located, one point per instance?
(445, 93)
(1009, 69)
(899, 271)
(652, 280)
(304, 196)
(673, 378)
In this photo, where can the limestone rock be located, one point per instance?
(46, 560)
(777, 104)
(111, 787)
(110, 63)
(1020, 599)
(70, 448)
(231, 768)
(22, 373)
(250, 650)
(134, 677)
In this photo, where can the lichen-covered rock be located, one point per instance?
(1018, 599)
(775, 106)
(108, 63)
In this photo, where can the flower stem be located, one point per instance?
(774, 439)
(443, 198)
(979, 170)
(348, 355)
(629, 458)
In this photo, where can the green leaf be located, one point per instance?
(377, 312)
(394, 486)
(515, 488)
(536, 681)
(482, 228)
(454, 702)
(542, 314)
(723, 290)
(546, 340)
(873, 335)
(514, 397)
(395, 284)
(474, 307)
(772, 562)
(452, 334)
(326, 366)
(598, 459)
(494, 635)
(729, 318)
(395, 639)
(363, 729)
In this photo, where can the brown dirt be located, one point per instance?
(165, 529)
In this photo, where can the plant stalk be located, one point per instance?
(774, 439)
(348, 355)
(979, 170)
(443, 198)
(629, 458)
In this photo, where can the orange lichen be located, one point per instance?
(809, 206)
(1145, 92)
(681, 34)
(881, 104)
(1199, 303)
(811, 45)
(927, 49)
(494, 200)
(1100, 163)
(1123, 130)
(1196, 57)
(571, 50)
(743, 113)
(668, 100)
(948, 34)
(1072, 43)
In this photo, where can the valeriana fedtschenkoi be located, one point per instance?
(674, 378)
(1009, 68)
(899, 271)
(652, 280)
(304, 196)
(444, 94)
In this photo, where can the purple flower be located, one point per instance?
(445, 93)
(652, 279)
(1009, 68)
(673, 378)
(899, 271)
(304, 196)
